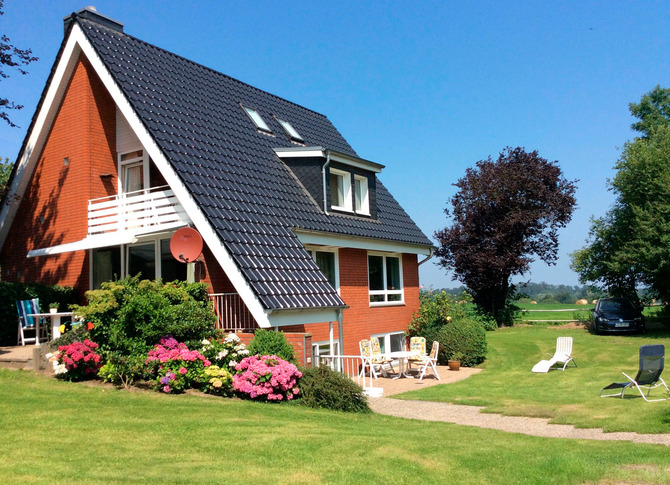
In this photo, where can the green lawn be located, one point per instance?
(549, 311)
(58, 432)
(508, 386)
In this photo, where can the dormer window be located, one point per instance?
(290, 131)
(340, 190)
(257, 119)
(361, 199)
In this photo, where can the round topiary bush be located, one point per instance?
(269, 342)
(322, 387)
(464, 338)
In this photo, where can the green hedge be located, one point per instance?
(322, 387)
(464, 339)
(65, 296)
(131, 315)
(269, 342)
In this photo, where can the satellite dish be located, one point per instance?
(186, 244)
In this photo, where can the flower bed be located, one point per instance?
(266, 377)
(76, 361)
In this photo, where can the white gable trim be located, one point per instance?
(335, 240)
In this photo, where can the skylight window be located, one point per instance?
(257, 119)
(290, 130)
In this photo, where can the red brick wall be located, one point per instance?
(54, 208)
(361, 320)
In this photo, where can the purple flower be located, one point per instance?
(165, 380)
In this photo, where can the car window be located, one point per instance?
(616, 305)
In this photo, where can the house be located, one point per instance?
(130, 142)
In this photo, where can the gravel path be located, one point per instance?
(472, 415)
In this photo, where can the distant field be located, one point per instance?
(568, 312)
(554, 312)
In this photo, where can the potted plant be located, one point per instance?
(53, 307)
(455, 361)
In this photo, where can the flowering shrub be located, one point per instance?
(218, 381)
(175, 366)
(76, 361)
(266, 377)
(225, 353)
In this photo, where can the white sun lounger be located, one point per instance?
(562, 356)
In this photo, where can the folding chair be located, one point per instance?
(373, 358)
(28, 323)
(417, 346)
(430, 361)
(563, 355)
(648, 376)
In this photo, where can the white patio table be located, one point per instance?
(55, 323)
(401, 356)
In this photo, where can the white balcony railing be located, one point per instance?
(356, 368)
(231, 312)
(137, 212)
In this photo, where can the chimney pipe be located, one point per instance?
(91, 14)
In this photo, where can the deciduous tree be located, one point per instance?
(505, 214)
(630, 245)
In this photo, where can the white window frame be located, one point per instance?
(385, 340)
(346, 190)
(386, 292)
(257, 119)
(365, 199)
(314, 249)
(290, 130)
(123, 164)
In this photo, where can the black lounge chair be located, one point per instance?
(648, 377)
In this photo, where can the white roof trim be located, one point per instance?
(281, 318)
(335, 240)
(305, 152)
(90, 242)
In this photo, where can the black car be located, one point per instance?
(617, 315)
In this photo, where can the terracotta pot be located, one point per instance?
(454, 364)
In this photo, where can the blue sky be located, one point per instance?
(426, 88)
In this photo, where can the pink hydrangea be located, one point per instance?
(266, 377)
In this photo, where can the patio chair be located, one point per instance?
(430, 361)
(417, 347)
(373, 358)
(563, 355)
(27, 323)
(648, 376)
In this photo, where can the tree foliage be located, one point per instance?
(505, 214)
(630, 245)
(12, 57)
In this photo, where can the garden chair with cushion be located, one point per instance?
(417, 347)
(373, 358)
(648, 376)
(430, 361)
(28, 323)
(563, 355)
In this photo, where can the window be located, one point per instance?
(290, 131)
(257, 119)
(340, 190)
(385, 279)
(133, 171)
(362, 203)
(327, 262)
(395, 341)
(106, 265)
(142, 259)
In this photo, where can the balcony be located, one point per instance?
(140, 212)
(231, 312)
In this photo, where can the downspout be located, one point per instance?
(323, 174)
(340, 337)
(427, 258)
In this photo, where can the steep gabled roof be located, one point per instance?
(249, 197)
